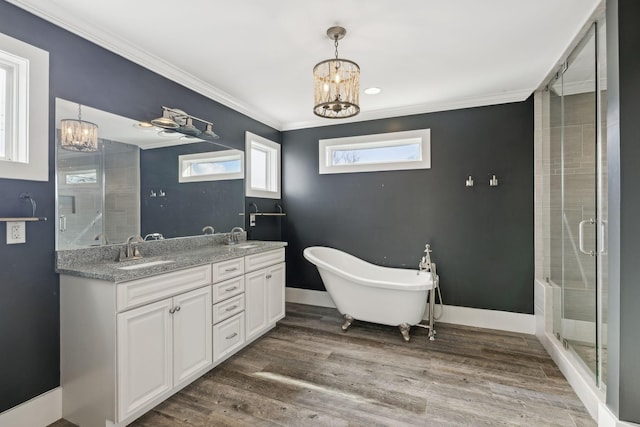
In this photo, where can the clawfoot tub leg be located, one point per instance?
(404, 330)
(348, 320)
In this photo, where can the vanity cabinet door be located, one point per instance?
(264, 294)
(255, 303)
(192, 340)
(145, 355)
(275, 281)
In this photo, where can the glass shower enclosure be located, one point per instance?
(577, 202)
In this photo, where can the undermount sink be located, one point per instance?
(144, 265)
(246, 246)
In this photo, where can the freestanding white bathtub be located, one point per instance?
(368, 292)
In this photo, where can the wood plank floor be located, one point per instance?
(307, 372)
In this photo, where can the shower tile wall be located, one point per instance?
(88, 220)
(579, 201)
(122, 199)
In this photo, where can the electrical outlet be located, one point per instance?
(16, 232)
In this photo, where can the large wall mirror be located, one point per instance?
(130, 184)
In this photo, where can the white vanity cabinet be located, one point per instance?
(162, 346)
(127, 346)
(264, 283)
(228, 308)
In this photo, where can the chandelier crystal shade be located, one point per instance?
(336, 84)
(78, 135)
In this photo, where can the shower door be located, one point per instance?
(578, 203)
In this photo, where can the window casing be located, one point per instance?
(24, 111)
(211, 166)
(263, 167)
(378, 152)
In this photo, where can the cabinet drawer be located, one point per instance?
(143, 291)
(228, 336)
(228, 269)
(231, 307)
(228, 289)
(264, 259)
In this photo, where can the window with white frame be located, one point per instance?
(24, 110)
(263, 167)
(378, 152)
(211, 166)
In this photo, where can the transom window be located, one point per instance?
(378, 152)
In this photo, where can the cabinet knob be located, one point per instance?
(268, 276)
(233, 335)
(178, 308)
(172, 310)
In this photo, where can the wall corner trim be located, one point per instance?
(480, 318)
(38, 412)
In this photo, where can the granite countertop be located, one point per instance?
(77, 263)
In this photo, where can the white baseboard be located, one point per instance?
(308, 296)
(490, 319)
(37, 412)
(493, 319)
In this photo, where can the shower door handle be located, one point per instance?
(603, 248)
(581, 236)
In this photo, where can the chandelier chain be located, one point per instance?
(335, 43)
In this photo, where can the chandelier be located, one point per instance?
(78, 135)
(336, 84)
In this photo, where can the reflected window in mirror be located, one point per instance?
(211, 166)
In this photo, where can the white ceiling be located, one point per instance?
(257, 56)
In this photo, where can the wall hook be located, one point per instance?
(469, 182)
(493, 182)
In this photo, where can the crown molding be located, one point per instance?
(502, 98)
(133, 53)
(122, 47)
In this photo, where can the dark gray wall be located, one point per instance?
(482, 237)
(186, 207)
(623, 155)
(82, 72)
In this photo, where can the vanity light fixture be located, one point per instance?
(166, 121)
(180, 121)
(336, 83)
(78, 135)
(209, 132)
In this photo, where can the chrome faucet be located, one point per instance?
(208, 230)
(425, 261)
(154, 236)
(132, 251)
(234, 236)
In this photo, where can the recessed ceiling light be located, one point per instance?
(372, 90)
